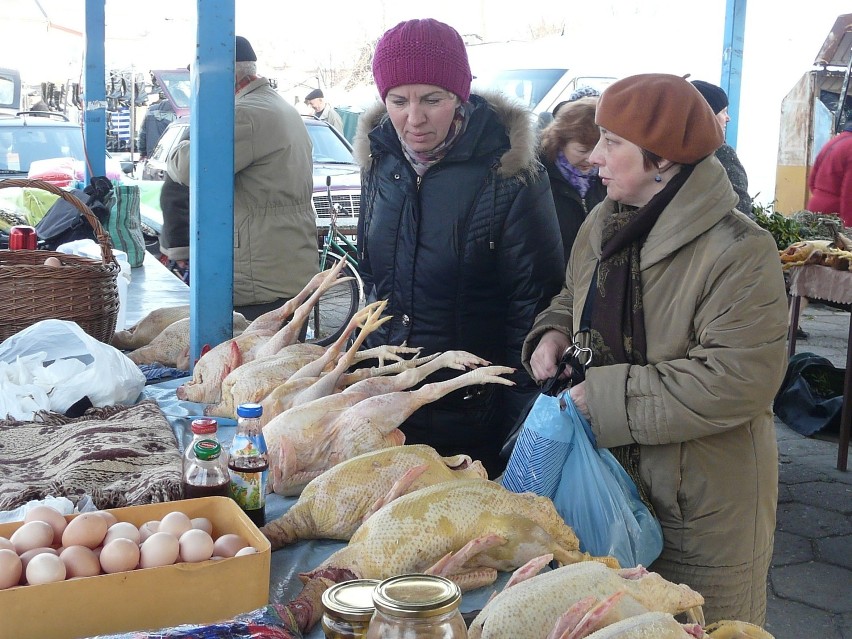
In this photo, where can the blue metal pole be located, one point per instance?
(732, 63)
(94, 90)
(211, 245)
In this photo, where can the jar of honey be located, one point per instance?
(348, 607)
(417, 607)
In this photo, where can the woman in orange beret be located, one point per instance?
(682, 301)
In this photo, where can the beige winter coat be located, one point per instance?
(715, 322)
(275, 241)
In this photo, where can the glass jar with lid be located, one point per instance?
(417, 607)
(348, 607)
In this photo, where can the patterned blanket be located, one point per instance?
(118, 455)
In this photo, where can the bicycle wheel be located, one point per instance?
(336, 306)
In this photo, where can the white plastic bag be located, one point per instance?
(53, 364)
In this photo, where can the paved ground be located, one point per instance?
(810, 581)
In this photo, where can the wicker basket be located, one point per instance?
(82, 290)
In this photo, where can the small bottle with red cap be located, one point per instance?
(202, 428)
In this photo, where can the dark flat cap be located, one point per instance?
(243, 51)
(313, 95)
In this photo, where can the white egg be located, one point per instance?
(49, 515)
(119, 555)
(11, 568)
(160, 549)
(248, 550)
(122, 530)
(175, 523)
(148, 528)
(6, 544)
(33, 534)
(202, 523)
(195, 545)
(44, 569)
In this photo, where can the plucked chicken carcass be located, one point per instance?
(205, 387)
(333, 505)
(530, 609)
(310, 438)
(146, 329)
(171, 346)
(648, 625)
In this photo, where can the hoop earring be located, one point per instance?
(658, 178)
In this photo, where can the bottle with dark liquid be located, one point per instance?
(205, 476)
(248, 463)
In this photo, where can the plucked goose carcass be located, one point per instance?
(333, 505)
(531, 608)
(311, 438)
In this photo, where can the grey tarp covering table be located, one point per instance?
(288, 562)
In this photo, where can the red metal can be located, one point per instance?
(22, 237)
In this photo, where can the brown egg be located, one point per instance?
(45, 568)
(228, 545)
(11, 568)
(110, 518)
(160, 549)
(86, 529)
(195, 545)
(52, 261)
(33, 534)
(119, 555)
(80, 562)
(49, 515)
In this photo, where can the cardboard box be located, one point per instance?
(145, 599)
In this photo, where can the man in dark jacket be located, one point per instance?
(461, 238)
(157, 119)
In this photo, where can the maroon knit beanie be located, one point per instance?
(422, 52)
(663, 114)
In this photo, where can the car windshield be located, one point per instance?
(20, 146)
(527, 85)
(328, 147)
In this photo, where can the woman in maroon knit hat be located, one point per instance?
(681, 298)
(457, 229)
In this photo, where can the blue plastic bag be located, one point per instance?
(541, 449)
(555, 457)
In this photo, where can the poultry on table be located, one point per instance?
(531, 608)
(333, 505)
(308, 439)
(205, 387)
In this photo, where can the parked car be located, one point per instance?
(333, 161)
(39, 136)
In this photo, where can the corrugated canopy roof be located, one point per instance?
(837, 48)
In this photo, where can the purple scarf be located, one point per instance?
(421, 162)
(576, 178)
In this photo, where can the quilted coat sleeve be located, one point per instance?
(729, 373)
(532, 262)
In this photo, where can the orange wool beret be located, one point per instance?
(663, 114)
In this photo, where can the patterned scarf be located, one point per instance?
(576, 178)
(617, 322)
(421, 162)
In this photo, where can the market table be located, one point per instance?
(287, 562)
(834, 287)
(152, 286)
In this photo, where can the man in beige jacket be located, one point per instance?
(275, 245)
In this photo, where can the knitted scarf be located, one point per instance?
(576, 178)
(421, 161)
(617, 321)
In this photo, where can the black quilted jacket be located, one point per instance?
(466, 257)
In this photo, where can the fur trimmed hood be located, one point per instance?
(520, 161)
